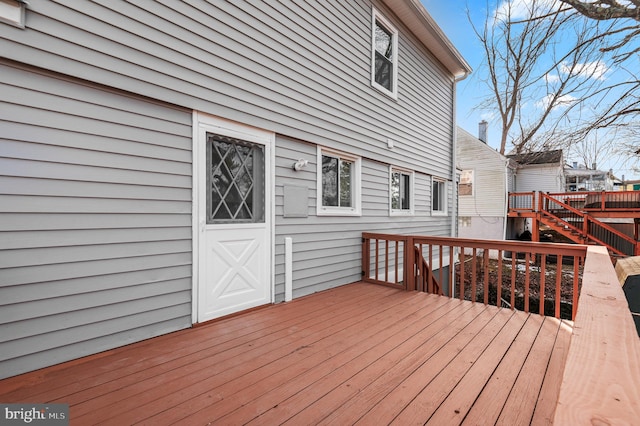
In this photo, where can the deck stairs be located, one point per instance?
(582, 228)
(425, 277)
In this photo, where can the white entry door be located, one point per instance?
(235, 224)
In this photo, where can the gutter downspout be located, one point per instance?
(454, 167)
(454, 208)
(506, 200)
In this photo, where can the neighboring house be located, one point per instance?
(581, 178)
(486, 178)
(163, 164)
(630, 185)
(539, 171)
(535, 171)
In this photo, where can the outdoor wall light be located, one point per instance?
(300, 164)
(12, 12)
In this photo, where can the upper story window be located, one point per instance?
(438, 196)
(401, 191)
(384, 61)
(465, 187)
(338, 183)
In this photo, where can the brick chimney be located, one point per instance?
(482, 131)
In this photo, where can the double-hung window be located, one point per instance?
(384, 52)
(401, 191)
(465, 187)
(338, 183)
(438, 197)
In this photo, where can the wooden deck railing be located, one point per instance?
(600, 379)
(522, 201)
(521, 275)
(600, 383)
(602, 201)
(591, 230)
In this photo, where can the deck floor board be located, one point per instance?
(359, 353)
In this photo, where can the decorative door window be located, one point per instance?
(235, 181)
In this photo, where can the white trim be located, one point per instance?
(195, 231)
(412, 184)
(356, 210)
(377, 16)
(472, 182)
(288, 269)
(203, 123)
(445, 203)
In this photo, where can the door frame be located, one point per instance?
(205, 122)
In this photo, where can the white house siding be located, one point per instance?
(95, 219)
(327, 249)
(296, 68)
(486, 208)
(511, 179)
(540, 177)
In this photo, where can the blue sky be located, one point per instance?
(452, 18)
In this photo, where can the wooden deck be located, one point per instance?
(360, 353)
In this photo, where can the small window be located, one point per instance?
(384, 52)
(401, 191)
(338, 183)
(465, 187)
(439, 197)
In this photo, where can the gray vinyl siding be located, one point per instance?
(95, 183)
(327, 249)
(95, 219)
(297, 68)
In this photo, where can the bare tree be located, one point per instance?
(592, 151)
(622, 113)
(607, 9)
(537, 88)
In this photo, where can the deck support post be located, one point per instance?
(409, 264)
(366, 258)
(535, 228)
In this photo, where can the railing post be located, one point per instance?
(366, 259)
(540, 201)
(585, 227)
(409, 264)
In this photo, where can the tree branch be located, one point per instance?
(606, 9)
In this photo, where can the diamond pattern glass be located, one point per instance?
(235, 180)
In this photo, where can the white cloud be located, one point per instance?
(561, 101)
(596, 70)
(552, 78)
(521, 9)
